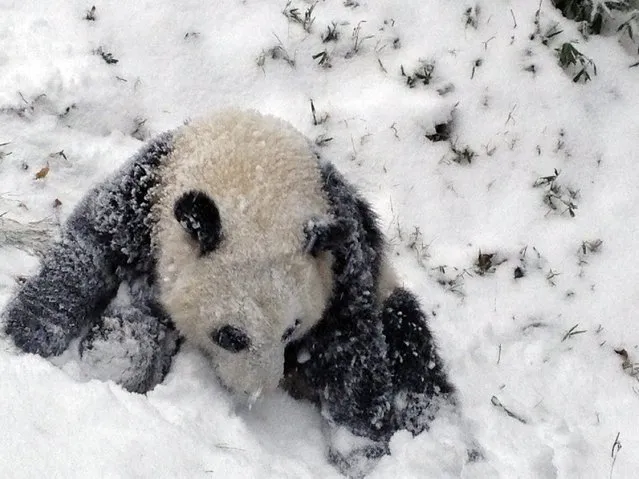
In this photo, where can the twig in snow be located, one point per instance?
(497, 403)
(317, 120)
(487, 41)
(573, 332)
(616, 447)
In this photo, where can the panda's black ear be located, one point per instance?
(326, 234)
(200, 218)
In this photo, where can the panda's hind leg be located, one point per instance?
(418, 375)
(131, 344)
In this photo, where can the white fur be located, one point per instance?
(266, 183)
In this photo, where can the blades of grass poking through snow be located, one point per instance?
(423, 73)
(587, 248)
(569, 56)
(90, 15)
(546, 180)
(557, 197)
(278, 52)
(630, 26)
(358, 40)
(332, 34)
(323, 140)
(476, 64)
(471, 17)
(29, 107)
(616, 447)
(487, 263)
(318, 119)
(416, 244)
(551, 32)
(450, 278)
(106, 56)
(591, 246)
(595, 14)
(550, 277)
(628, 365)
(323, 59)
(294, 15)
(573, 332)
(497, 403)
(4, 154)
(462, 155)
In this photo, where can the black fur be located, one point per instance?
(350, 332)
(322, 235)
(370, 367)
(373, 369)
(106, 241)
(198, 215)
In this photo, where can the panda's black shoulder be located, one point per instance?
(346, 202)
(116, 214)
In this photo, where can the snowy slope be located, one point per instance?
(536, 170)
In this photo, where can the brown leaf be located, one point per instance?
(42, 173)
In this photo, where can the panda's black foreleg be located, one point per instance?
(132, 345)
(416, 368)
(52, 307)
(355, 382)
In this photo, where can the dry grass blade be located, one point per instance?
(497, 403)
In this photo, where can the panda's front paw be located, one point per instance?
(358, 460)
(28, 327)
(130, 348)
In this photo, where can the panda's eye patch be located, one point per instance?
(200, 218)
(231, 338)
(290, 330)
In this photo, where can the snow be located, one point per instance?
(508, 343)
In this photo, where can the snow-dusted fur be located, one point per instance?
(105, 245)
(260, 254)
(266, 184)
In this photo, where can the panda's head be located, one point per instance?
(235, 269)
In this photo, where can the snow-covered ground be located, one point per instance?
(518, 230)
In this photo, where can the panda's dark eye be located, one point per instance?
(231, 338)
(200, 218)
(290, 330)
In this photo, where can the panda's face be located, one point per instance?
(234, 268)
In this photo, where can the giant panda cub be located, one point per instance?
(230, 233)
